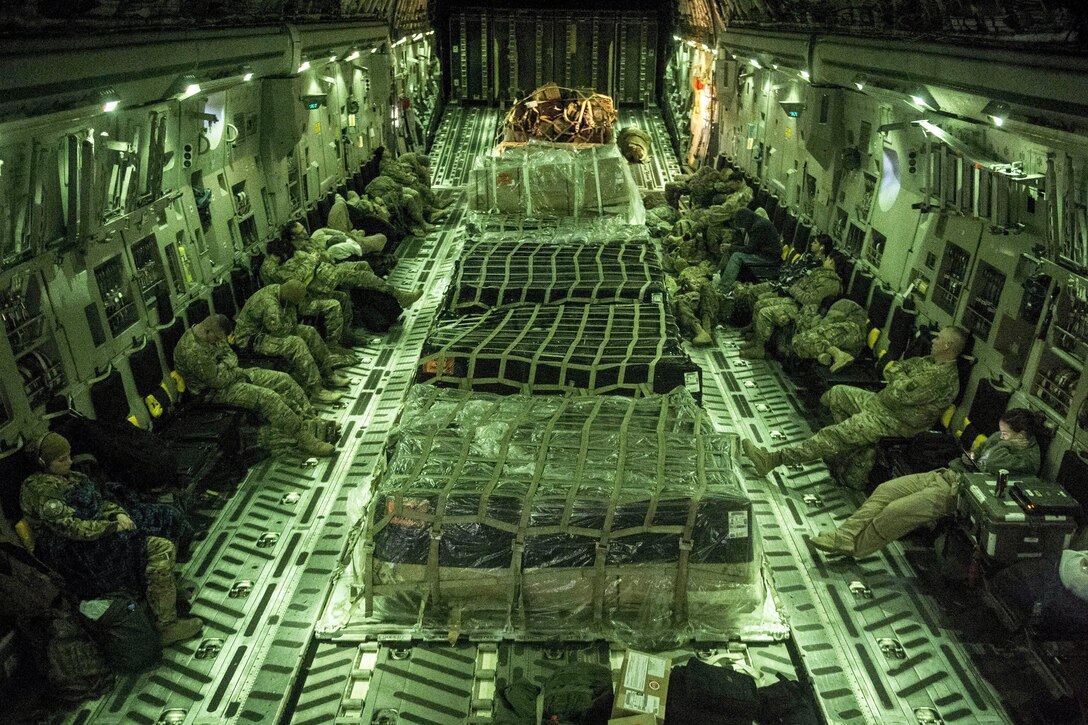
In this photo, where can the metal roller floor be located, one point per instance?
(871, 641)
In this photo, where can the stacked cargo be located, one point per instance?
(570, 487)
(560, 517)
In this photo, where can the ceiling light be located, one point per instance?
(755, 63)
(805, 75)
(110, 106)
(247, 77)
(860, 81)
(922, 98)
(353, 56)
(997, 111)
(304, 67)
(185, 86)
(332, 58)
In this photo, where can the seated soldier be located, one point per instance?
(325, 278)
(917, 392)
(268, 325)
(791, 271)
(95, 545)
(836, 338)
(697, 305)
(903, 504)
(210, 370)
(763, 246)
(801, 304)
(328, 308)
(340, 240)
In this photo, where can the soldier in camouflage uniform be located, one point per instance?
(801, 304)
(917, 391)
(634, 144)
(268, 325)
(903, 504)
(406, 206)
(327, 309)
(210, 369)
(95, 545)
(698, 306)
(372, 216)
(792, 269)
(836, 338)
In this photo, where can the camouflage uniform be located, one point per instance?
(406, 176)
(328, 308)
(634, 144)
(405, 204)
(77, 534)
(212, 371)
(903, 504)
(267, 326)
(802, 305)
(700, 307)
(917, 391)
(323, 277)
(843, 327)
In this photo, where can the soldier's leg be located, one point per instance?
(319, 351)
(265, 402)
(284, 387)
(908, 503)
(330, 312)
(810, 344)
(161, 592)
(300, 363)
(845, 400)
(359, 274)
(836, 440)
(764, 321)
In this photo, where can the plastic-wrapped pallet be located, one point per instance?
(495, 273)
(571, 517)
(556, 180)
(632, 348)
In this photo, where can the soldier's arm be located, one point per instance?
(910, 389)
(44, 503)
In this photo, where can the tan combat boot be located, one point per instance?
(311, 446)
(407, 298)
(162, 600)
(763, 461)
(321, 395)
(702, 337)
(831, 543)
(839, 359)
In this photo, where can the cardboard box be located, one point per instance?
(633, 720)
(642, 689)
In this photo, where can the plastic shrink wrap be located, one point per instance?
(560, 517)
(555, 181)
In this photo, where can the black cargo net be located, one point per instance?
(629, 348)
(508, 271)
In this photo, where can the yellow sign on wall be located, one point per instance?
(789, 131)
(317, 127)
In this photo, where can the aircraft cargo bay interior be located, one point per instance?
(453, 362)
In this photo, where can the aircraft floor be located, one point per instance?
(263, 572)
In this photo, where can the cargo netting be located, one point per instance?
(496, 273)
(570, 518)
(563, 115)
(556, 181)
(630, 348)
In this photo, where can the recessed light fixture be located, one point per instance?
(353, 56)
(805, 75)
